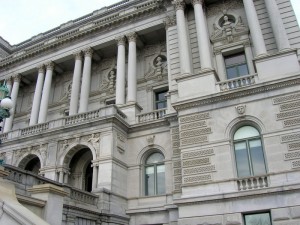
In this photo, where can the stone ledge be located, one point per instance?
(50, 188)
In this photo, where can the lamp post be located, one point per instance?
(5, 103)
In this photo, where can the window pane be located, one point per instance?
(160, 179)
(231, 72)
(155, 158)
(245, 132)
(149, 181)
(243, 70)
(161, 105)
(242, 160)
(161, 96)
(235, 59)
(257, 157)
(258, 219)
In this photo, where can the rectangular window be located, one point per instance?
(236, 65)
(258, 219)
(110, 102)
(161, 99)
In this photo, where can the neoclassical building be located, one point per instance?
(156, 112)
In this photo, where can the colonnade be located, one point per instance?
(203, 35)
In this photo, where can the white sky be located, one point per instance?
(22, 19)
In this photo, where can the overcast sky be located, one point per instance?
(22, 19)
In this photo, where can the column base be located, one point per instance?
(270, 67)
(131, 110)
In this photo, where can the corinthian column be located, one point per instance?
(8, 85)
(279, 31)
(86, 80)
(46, 93)
(14, 96)
(131, 97)
(183, 44)
(255, 29)
(120, 83)
(202, 36)
(76, 84)
(37, 96)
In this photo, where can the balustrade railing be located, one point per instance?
(239, 82)
(151, 116)
(251, 183)
(35, 129)
(82, 196)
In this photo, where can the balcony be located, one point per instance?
(252, 183)
(151, 116)
(239, 82)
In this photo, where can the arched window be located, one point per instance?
(249, 156)
(155, 174)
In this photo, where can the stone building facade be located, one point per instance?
(161, 112)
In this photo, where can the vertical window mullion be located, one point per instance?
(249, 157)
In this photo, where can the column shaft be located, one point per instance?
(120, 83)
(279, 31)
(255, 29)
(249, 58)
(132, 68)
(202, 36)
(61, 177)
(95, 176)
(183, 43)
(86, 81)
(37, 96)
(46, 93)
(76, 84)
(14, 96)
(221, 66)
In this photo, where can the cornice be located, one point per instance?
(82, 30)
(236, 93)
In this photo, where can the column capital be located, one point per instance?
(120, 40)
(17, 77)
(41, 68)
(179, 4)
(88, 52)
(247, 44)
(217, 51)
(8, 81)
(78, 55)
(50, 65)
(194, 2)
(132, 37)
(170, 21)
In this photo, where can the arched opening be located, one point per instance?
(31, 163)
(81, 172)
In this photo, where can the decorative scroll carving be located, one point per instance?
(196, 154)
(292, 155)
(289, 106)
(196, 162)
(177, 164)
(197, 179)
(195, 117)
(292, 122)
(296, 164)
(197, 132)
(121, 40)
(194, 140)
(88, 52)
(288, 114)
(94, 139)
(290, 137)
(193, 125)
(170, 21)
(287, 98)
(294, 146)
(197, 170)
(132, 37)
(179, 4)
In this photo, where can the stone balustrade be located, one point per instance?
(151, 116)
(239, 82)
(250, 183)
(3, 137)
(35, 129)
(26, 179)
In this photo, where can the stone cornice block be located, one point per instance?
(47, 188)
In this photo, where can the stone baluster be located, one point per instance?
(183, 43)
(46, 93)
(86, 80)
(279, 31)
(120, 83)
(131, 97)
(14, 96)
(256, 33)
(37, 96)
(76, 84)
(202, 36)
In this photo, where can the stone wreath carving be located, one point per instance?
(227, 27)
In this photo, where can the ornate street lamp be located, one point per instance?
(5, 103)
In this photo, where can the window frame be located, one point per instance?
(236, 65)
(155, 184)
(156, 93)
(256, 213)
(248, 149)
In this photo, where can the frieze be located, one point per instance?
(289, 106)
(195, 117)
(222, 7)
(290, 137)
(175, 144)
(197, 170)
(196, 154)
(237, 94)
(294, 146)
(193, 125)
(292, 155)
(296, 164)
(288, 114)
(175, 130)
(291, 122)
(177, 179)
(287, 98)
(197, 179)
(193, 133)
(176, 151)
(175, 137)
(196, 162)
(194, 140)
(177, 172)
